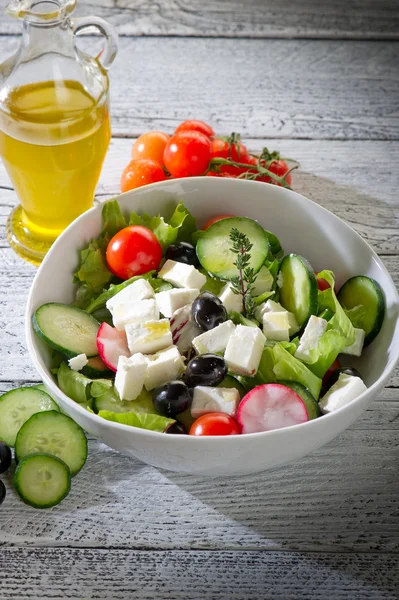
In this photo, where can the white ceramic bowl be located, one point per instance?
(304, 228)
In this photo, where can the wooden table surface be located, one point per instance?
(320, 82)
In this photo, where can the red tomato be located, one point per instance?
(133, 251)
(236, 152)
(215, 220)
(279, 168)
(322, 284)
(141, 172)
(195, 125)
(150, 145)
(215, 424)
(336, 365)
(187, 154)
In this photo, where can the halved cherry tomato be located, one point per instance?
(150, 145)
(215, 220)
(215, 424)
(133, 251)
(187, 154)
(322, 284)
(334, 367)
(195, 125)
(141, 172)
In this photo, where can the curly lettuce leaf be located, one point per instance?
(239, 319)
(180, 227)
(212, 284)
(113, 219)
(142, 420)
(356, 315)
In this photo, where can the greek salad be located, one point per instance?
(206, 332)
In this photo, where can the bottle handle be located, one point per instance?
(108, 53)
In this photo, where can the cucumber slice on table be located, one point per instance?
(298, 287)
(17, 406)
(56, 434)
(42, 480)
(214, 246)
(308, 399)
(67, 329)
(364, 291)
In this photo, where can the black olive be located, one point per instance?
(177, 428)
(207, 369)
(333, 378)
(172, 398)
(208, 311)
(183, 252)
(5, 457)
(2, 492)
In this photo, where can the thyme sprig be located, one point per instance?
(243, 282)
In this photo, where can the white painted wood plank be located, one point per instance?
(122, 575)
(233, 18)
(324, 89)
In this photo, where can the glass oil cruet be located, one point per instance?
(54, 121)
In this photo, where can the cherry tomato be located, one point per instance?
(235, 151)
(215, 424)
(215, 220)
(194, 125)
(150, 145)
(187, 154)
(322, 284)
(141, 172)
(336, 365)
(133, 251)
(279, 168)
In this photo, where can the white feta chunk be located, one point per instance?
(130, 375)
(136, 291)
(163, 367)
(78, 362)
(183, 328)
(314, 330)
(149, 337)
(214, 340)
(232, 302)
(244, 350)
(139, 312)
(263, 282)
(276, 326)
(182, 275)
(272, 306)
(356, 348)
(214, 399)
(171, 300)
(346, 389)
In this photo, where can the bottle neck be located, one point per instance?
(39, 39)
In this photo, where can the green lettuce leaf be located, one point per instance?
(275, 246)
(113, 219)
(239, 319)
(84, 295)
(75, 385)
(184, 221)
(141, 420)
(181, 225)
(273, 266)
(212, 284)
(103, 315)
(328, 299)
(159, 285)
(113, 289)
(263, 297)
(356, 315)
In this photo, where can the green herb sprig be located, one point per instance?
(243, 282)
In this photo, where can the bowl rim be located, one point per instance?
(136, 431)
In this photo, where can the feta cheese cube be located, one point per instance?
(271, 306)
(214, 340)
(139, 312)
(183, 328)
(314, 330)
(276, 326)
(78, 362)
(130, 375)
(182, 275)
(138, 290)
(244, 350)
(346, 389)
(263, 282)
(163, 367)
(356, 348)
(232, 302)
(171, 300)
(214, 399)
(149, 337)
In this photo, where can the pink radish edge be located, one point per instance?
(111, 344)
(270, 406)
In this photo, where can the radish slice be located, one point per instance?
(270, 406)
(111, 344)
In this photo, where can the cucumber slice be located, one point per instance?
(42, 480)
(95, 368)
(308, 399)
(67, 329)
(214, 246)
(364, 291)
(17, 406)
(56, 434)
(298, 287)
(231, 382)
(326, 314)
